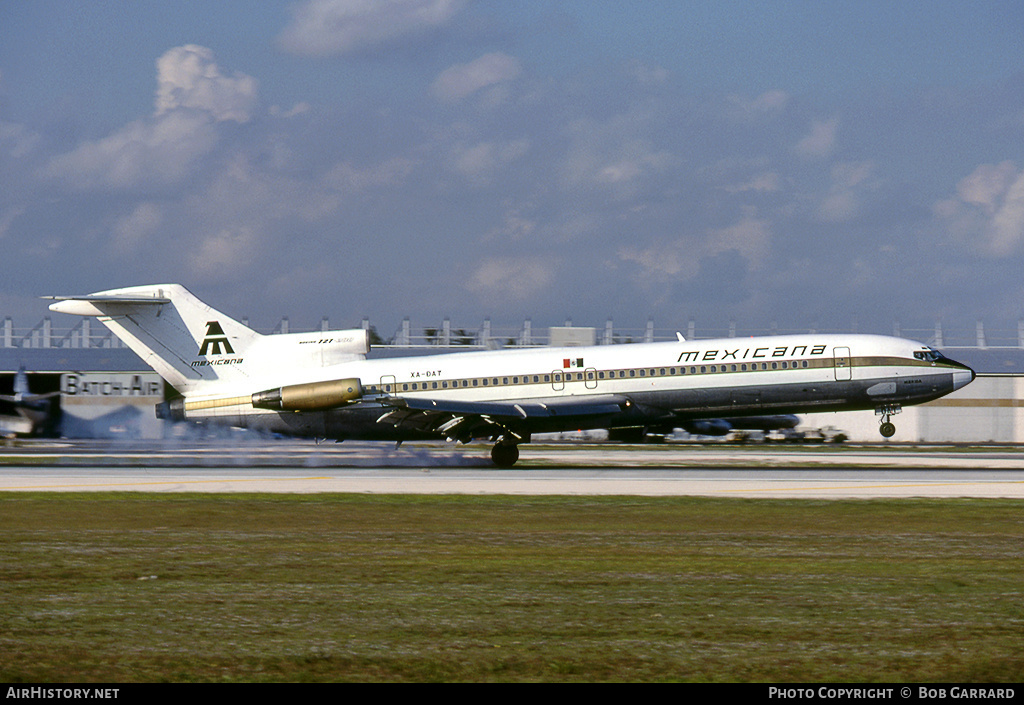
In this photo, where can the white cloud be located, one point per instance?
(842, 200)
(616, 154)
(160, 151)
(16, 140)
(772, 101)
(131, 230)
(327, 27)
(457, 82)
(662, 262)
(680, 259)
(188, 77)
(479, 162)
(7, 218)
(820, 142)
(298, 109)
(648, 75)
(751, 237)
(192, 97)
(768, 182)
(510, 277)
(988, 209)
(987, 185)
(514, 227)
(391, 172)
(231, 249)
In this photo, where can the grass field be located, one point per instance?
(138, 587)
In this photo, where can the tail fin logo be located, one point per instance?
(216, 341)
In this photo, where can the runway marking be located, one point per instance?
(876, 487)
(162, 482)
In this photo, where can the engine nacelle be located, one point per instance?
(173, 410)
(312, 396)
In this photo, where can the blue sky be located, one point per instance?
(812, 164)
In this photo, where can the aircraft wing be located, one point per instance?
(464, 420)
(27, 398)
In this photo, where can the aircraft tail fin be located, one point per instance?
(188, 343)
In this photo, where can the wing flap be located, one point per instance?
(575, 406)
(461, 420)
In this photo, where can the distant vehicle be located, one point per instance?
(705, 427)
(24, 413)
(321, 384)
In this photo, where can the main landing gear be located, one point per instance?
(504, 454)
(887, 428)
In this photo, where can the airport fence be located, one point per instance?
(87, 333)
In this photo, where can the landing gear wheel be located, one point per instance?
(887, 429)
(504, 455)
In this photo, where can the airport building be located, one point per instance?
(106, 391)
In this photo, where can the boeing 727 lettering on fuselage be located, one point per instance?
(321, 384)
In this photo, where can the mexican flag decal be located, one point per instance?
(578, 362)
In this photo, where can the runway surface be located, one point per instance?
(300, 467)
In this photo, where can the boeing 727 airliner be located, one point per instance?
(321, 384)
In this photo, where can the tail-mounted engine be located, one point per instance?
(312, 396)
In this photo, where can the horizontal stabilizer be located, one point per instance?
(87, 305)
(113, 299)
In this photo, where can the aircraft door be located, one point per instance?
(842, 364)
(590, 376)
(558, 380)
(388, 385)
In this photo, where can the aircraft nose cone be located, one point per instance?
(963, 378)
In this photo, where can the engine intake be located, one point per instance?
(312, 396)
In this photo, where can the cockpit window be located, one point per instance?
(928, 355)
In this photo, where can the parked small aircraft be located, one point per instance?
(25, 413)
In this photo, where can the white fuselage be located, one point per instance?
(661, 381)
(321, 384)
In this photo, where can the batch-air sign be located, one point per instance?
(111, 385)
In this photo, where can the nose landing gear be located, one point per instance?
(887, 428)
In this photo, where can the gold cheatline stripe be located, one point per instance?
(979, 403)
(217, 403)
